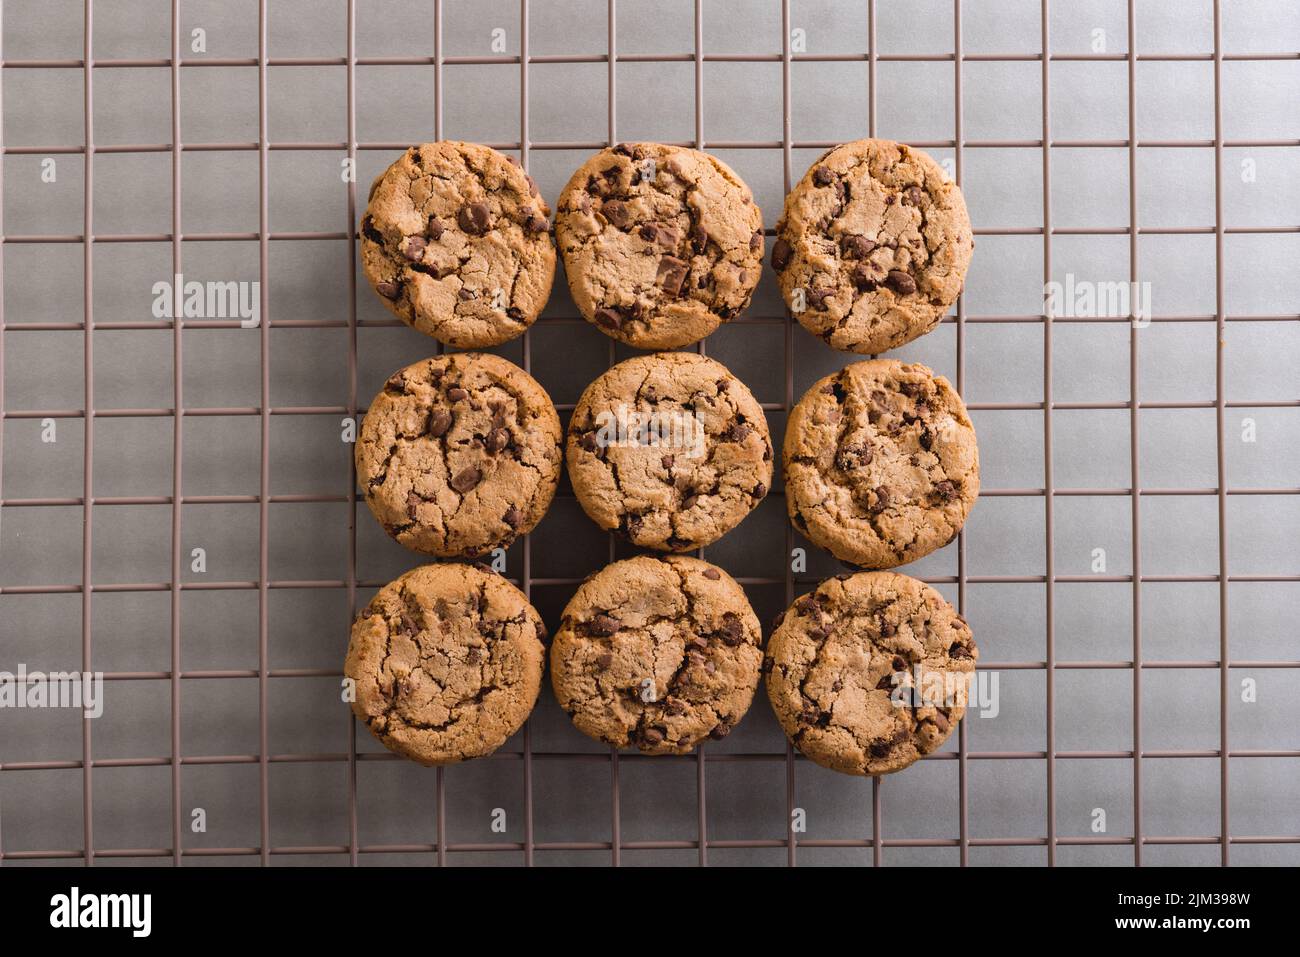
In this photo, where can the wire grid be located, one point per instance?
(700, 842)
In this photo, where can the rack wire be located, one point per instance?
(178, 677)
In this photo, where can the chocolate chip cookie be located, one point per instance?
(456, 241)
(447, 662)
(869, 672)
(881, 466)
(873, 246)
(459, 454)
(657, 652)
(661, 244)
(670, 450)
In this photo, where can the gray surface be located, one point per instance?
(308, 628)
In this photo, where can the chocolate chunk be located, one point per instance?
(536, 224)
(603, 626)
(699, 238)
(513, 517)
(712, 574)
(474, 655)
(885, 683)
(758, 491)
(370, 232)
(671, 275)
(822, 176)
(862, 277)
(856, 247)
(958, 650)
(732, 631)
(465, 294)
(616, 212)
(439, 423)
(940, 722)
(466, 479)
(474, 218)
(720, 731)
(817, 297)
(412, 501)
(667, 461)
(389, 290)
(945, 490)
(913, 195)
(652, 736)
(756, 241)
(496, 440)
(435, 228)
(781, 252)
(882, 500)
(604, 660)
(609, 318)
(736, 432)
(887, 629)
(457, 394)
(901, 282)
(689, 502)
(413, 249)
(588, 441)
(532, 185)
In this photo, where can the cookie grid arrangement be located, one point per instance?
(460, 453)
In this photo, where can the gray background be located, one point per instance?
(41, 810)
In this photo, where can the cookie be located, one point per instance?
(447, 662)
(869, 672)
(459, 454)
(456, 242)
(880, 461)
(670, 450)
(661, 244)
(657, 652)
(873, 246)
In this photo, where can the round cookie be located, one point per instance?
(456, 242)
(873, 246)
(670, 450)
(869, 672)
(661, 244)
(459, 454)
(657, 652)
(881, 465)
(447, 662)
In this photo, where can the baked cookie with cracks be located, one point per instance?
(658, 653)
(447, 663)
(459, 454)
(456, 242)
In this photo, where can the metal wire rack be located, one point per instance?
(442, 843)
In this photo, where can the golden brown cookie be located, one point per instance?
(873, 246)
(447, 662)
(656, 652)
(869, 672)
(456, 241)
(670, 450)
(459, 454)
(881, 465)
(661, 244)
